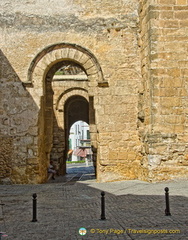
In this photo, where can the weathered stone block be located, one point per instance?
(136, 72)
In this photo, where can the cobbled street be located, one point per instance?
(69, 208)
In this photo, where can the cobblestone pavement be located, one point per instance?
(134, 209)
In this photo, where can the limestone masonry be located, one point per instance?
(130, 84)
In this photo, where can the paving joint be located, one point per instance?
(131, 207)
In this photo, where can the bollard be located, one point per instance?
(167, 210)
(103, 206)
(34, 207)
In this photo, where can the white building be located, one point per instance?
(79, 142)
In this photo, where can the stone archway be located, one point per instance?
(53, 101)
(72, 105)
(53, 54)
(76, 108)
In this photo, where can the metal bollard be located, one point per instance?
(167, 210)
(103, 206)
(34, 207)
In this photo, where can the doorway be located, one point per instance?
(74, 87)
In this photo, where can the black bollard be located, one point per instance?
(167, 210)
(34, 207)
(103, 206)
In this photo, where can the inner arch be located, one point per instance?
(76, 108)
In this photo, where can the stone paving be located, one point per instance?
(134, 209)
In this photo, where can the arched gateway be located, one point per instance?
(62, 99)
(138, 124)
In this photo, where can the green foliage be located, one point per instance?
(59, 73)
(81, 161)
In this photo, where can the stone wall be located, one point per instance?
(133, 53)
(18, 125)
(164, 63)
